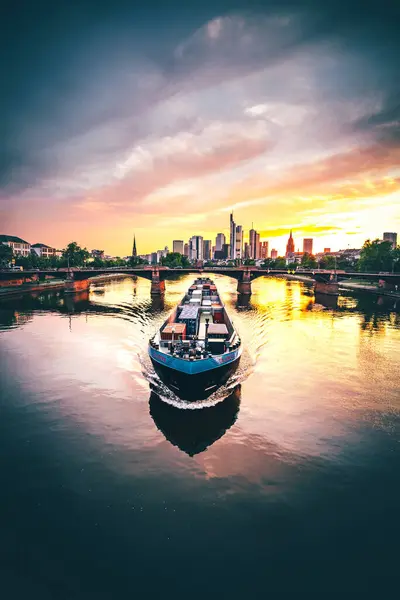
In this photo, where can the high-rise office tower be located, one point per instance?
(390, 236)
(264, 250)
(258, 246)
(308, 245)
(252, 243)
(219, 241)
(274, 254)
(232, 238)
(177, 246)
(196, 247)
(239, 242)
(207, 249)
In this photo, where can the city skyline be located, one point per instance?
(197, 248)
(278, 114)
(276, 242)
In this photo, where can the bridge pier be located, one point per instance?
(157, 285)
(157, 302)
(72, 286)
(244, 284)
(243, 301)
(74, 298)
(330, 288)
(327, 300)
(385, 285)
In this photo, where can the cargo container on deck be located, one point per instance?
(197, 348)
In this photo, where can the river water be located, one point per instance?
(283, 484)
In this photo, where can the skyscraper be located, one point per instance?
(252, 243)
(232, 239)
(246, 250)
(390, 236)
(239, 242)
(274, 254)
(290, 245)
(219, 241)
(207, 249)
(257, 246)
(177, 246)
(186, 250)
(264, 250)
(308, 245)
(196, 247)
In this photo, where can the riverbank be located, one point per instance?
(50, 285)
(28, 288)
(348, 286)
(372, 289)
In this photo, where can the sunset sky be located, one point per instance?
(159, 118)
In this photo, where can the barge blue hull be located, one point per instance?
(194, 381)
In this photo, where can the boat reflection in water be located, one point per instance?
(327, 300)
(194, 430)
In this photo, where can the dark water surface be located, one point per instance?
(285, 484)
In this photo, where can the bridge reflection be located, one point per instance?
(327, 300)
(17, 310)
(325, 281)
(243, 302)
(194, 430)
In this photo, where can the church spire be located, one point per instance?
(290, 245)
(134, 247)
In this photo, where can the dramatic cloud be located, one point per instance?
(120, 118)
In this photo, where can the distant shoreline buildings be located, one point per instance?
(23, 248)
(199, 250)
(390, 236)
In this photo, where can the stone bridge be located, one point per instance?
(326, 281)
(78, 279)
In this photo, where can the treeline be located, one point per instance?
(174, 260)
(379, 256)
(375, 256)
(73, 255)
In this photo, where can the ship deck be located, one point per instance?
(199, 328)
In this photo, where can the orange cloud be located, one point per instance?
(156, 173)
(331, 173)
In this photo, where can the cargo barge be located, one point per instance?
(197, 348)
